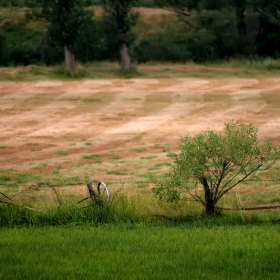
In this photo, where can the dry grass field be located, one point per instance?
(122, 131)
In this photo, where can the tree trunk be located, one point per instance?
(69, 60)
(125, 58)
(241, 22)
(208, 195)
(209, 203)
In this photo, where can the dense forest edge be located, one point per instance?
(175, 31)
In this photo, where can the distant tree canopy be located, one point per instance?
(268, 41)
(67, 20)
(225, 28)
(35, 3)
(120, 19)
(2, 49)
(204, 30)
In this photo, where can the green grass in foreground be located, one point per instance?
(129, 251)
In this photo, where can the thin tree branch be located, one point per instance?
(17, 194)
(6, 196)
(242, 179)
(225, 164)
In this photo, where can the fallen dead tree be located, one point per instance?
(95, 195)
(251, 208)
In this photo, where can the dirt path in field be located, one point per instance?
(47, 123)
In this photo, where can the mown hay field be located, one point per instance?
(125, 131)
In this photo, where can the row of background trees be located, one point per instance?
(48, 31)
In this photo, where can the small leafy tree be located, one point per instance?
(217, 162)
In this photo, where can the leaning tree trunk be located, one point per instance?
(69, 60)
(125, 57)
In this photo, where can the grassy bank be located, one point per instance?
(126, 208)
(242, 68)
(188, 251)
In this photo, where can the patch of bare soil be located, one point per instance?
(122, 128)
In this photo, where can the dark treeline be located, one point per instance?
(35, 3)
(203, 30)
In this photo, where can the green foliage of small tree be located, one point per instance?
(217, 162)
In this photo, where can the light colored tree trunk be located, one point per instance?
(69, 60)
(125, 57)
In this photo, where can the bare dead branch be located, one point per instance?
(5, 196)
(17, 194)
(251, 208)
(242, 179)
(58, 196)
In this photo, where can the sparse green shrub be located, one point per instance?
(91, 156)
(62, 153)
